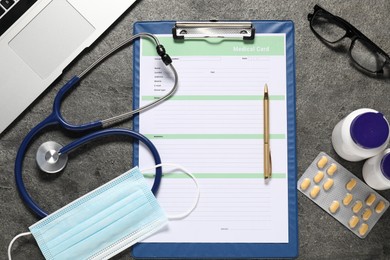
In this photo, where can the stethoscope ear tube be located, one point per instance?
(103, 123)
(71, 146)
(57, 109)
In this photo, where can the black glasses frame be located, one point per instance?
(350, 32)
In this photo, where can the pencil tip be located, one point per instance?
(266, 88)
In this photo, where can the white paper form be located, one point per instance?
(213, 126)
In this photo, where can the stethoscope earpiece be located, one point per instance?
(49, 159)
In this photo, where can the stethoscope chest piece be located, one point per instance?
(49, 159)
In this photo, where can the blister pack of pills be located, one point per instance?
(342, 195)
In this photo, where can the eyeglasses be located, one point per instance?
(363, 52)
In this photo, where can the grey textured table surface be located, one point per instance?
(328, 88)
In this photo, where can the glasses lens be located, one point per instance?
(364, 55)
(326, 27)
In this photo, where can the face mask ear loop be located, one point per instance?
(189, 211)
(13, 240)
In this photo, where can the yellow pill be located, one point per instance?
(328, 184)
(366, 214)
(334, 206)
(351, 184)
(353, 221)
(370, 199)
(305, 184)
(347, 199)
(314, 192)
(319, 176)
(332, 169)
(363, 229)
(357, 207)
(380, 207)
(322, 162)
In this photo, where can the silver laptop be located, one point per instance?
(39, 38)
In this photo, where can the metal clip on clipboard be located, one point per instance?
(213, 29)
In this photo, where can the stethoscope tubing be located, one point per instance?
(70, 147)
(56, 118)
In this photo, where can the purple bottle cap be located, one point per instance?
(369, 130)
(385, 165)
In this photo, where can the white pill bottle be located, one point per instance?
(362, 134)
(376, 171)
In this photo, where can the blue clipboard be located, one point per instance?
(231, 250)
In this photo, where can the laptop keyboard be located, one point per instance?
(7, 3)
(11, 11)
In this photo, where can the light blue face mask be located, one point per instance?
(103, 222)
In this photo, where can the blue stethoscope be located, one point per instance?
(51, 157)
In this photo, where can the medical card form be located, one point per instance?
(213, 126)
